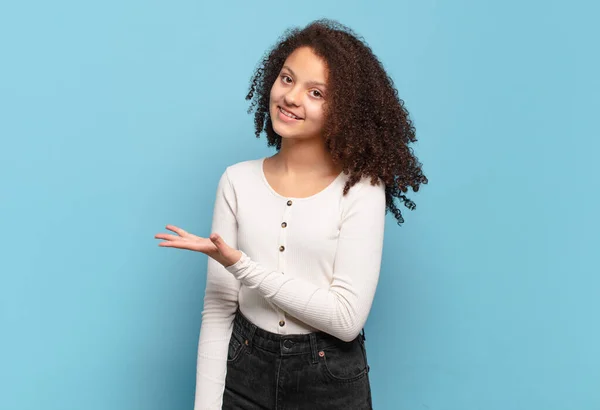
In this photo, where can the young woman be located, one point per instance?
(297, 238)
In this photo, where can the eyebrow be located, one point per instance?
(308, 82)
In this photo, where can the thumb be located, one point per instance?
(218, 241)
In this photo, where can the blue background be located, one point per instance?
(117, 118)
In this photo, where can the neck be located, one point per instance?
(305, 158)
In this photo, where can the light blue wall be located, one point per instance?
(117, 118)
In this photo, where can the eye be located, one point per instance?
(317, 93)
(283, 77)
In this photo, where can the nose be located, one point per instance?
(292, 97)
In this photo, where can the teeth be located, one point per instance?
(289, 114)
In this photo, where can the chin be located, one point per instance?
(281, 134)
(279, 129)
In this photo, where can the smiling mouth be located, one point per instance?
(288, 114)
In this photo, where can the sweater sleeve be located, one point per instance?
(341, 309)
(220, 305)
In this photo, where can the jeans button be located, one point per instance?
(288, 344)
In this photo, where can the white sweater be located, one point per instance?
(307, 264)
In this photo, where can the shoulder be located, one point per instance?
(365, 197)
(242, 172)
(364, 208)
(365, 188)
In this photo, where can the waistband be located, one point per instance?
(292, 344)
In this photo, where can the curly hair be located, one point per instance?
(367, 129)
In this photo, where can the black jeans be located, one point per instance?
(301, 371)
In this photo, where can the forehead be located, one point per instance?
(307, 65)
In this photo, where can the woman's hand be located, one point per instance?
(215, 246)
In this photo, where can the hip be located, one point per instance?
(316, 370)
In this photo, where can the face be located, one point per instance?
(300, 91)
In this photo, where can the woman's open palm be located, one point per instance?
(186, 240)
(215, 246)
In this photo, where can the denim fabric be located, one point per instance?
(310, 371)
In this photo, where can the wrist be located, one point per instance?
(237, 255)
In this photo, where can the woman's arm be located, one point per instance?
(220, 305)
(341, 309)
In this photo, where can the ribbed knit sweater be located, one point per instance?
(307, 264)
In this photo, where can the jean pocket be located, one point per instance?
(236, 345)
(345, 363)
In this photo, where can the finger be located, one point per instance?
(176, 229)
(207, 249)
(176, 244)
(218, 241)
(168, 244)
(167, 237)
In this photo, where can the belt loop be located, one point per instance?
(246, 325)
(313, 346)
(251, 335)
(363, 334)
